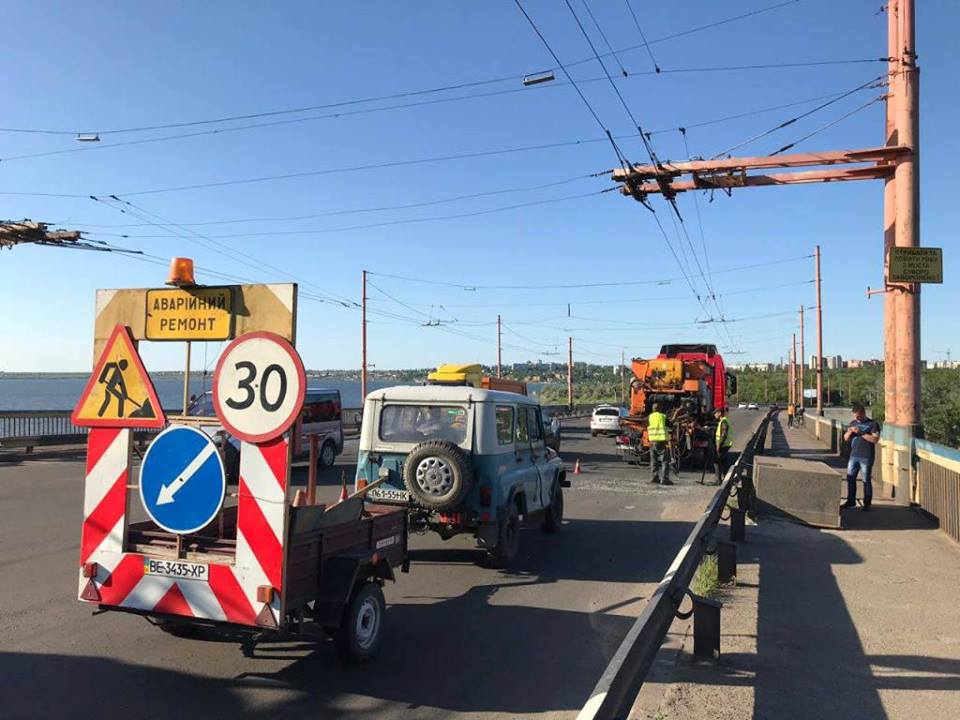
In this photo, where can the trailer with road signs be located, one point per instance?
(257, 556)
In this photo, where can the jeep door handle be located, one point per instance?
(519, 459)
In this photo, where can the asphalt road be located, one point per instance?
(463, 640)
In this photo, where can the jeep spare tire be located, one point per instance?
(438, 475)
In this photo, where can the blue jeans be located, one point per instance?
(853, 469)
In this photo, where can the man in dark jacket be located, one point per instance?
(862, 434)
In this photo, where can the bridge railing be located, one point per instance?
(26, 429)
(615, 693)
(936, 477)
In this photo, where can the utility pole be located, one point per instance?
(766, 390)
(499, 366)
(793, 366)
(791, 386)
(816, 256)
(802, 383)
(363, 341)
(897, 164)
(623, 378)
(570, 373)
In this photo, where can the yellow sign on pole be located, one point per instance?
(202, 313)
(119, 393)
(915, 265)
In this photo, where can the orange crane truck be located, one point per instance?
(688, 381)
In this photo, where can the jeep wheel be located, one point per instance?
(327, 455)
(508, 539)
(553, 517)
(438, 475)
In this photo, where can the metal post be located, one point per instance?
(312, 471)
(363, 342)
(801, 383)
(186, 383)
(623, 380)
(819, 335)
(499, 366)
(570, 373)
(907, 412)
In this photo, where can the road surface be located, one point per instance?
(463, 640)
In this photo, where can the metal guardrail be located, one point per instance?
(936, 469)
(616, 691)
(34, 428)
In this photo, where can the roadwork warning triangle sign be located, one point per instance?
(119, 393)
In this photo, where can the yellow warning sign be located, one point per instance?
(189, 314)
(119, 393)
(915, 265)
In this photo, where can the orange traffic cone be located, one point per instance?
(343, 487)
(576, 467)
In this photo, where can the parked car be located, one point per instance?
(742, 406)
(462, 460)
(605, 420)
(321, 416)
(752, 406)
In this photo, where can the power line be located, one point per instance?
(366, 166)
(569, 77)
(357, 211)
(384, 97)
(829, 125)
(786, 123)
(643, 37)
(387, 223)
(622, 283)
(603, 35)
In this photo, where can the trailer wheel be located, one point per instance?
(360, 633)
(508, 539)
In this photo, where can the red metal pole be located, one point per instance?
(570, 373)
(800, 381)
(819, 335)
(363, 342)
(907, 181)
(312, 472)
(890, 303)
(793, 368)
(499, 367)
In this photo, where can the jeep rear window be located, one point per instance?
(504, 425)
(606, 411)
(416, 423)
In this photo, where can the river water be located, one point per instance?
(62, 393)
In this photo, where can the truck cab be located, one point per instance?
(462, 460)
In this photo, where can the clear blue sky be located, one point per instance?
(118, 65)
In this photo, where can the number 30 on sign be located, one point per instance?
(258, 386)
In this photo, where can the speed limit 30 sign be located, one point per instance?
(258, 386)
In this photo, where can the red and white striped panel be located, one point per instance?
(230, 594)
(260, 517)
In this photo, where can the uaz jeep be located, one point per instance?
(463, 460)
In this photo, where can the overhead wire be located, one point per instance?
(643, 37)
(829, 125)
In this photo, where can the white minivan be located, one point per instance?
(605, 420)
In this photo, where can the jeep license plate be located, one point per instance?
(179, 570)
(389, 494)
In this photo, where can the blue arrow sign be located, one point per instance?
(182, 480)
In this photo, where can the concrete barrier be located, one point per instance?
(805, 490)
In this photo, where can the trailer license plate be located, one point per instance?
(180, 570)
(390, 494)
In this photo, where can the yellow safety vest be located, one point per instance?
(657, 427)
(723, 432)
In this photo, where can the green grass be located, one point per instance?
(706, 581)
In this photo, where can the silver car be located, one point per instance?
(605, 420)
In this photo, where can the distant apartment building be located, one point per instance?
(832, 362)
(863, 363)
(946, 364)
(756, 367)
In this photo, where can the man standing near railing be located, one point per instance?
(658, 433)
(863, 435)
(723, 441)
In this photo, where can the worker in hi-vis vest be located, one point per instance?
(722, 442)
(658, 434)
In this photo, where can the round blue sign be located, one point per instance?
(182, 480)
